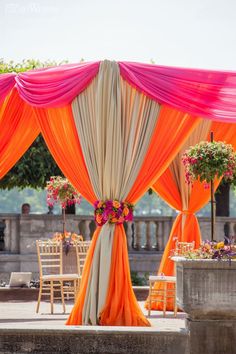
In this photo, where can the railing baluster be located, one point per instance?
(87, 230)
(157, 246)
(148, 245)
(129, 235)
(137, 245)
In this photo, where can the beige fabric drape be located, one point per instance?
(177, 169)
(114, 124)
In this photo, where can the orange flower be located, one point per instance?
(100, 204)
(114, 220)
(76, 237)
(99, 218)
(126, 211)
(116, 204)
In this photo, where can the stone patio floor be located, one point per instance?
(21, 315)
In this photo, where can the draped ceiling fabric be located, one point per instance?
(206, 93)
(7, 81)
(186, 199)
(18, 129)
(113, 128)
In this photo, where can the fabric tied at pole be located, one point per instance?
(112, 212)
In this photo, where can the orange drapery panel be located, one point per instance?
(172, 130)
(59, 132)
(167, 139)
(18, 129)
(186, 227)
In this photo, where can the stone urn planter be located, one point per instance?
(206, 291)
(207, 288)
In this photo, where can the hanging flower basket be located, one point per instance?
(209, 160)
(61, 191)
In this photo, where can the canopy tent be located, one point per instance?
(114, 129)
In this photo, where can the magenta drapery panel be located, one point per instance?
(55, 86)
(202, 93)
(7, 81)
(205, 93)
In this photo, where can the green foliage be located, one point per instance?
(26, 65)
(33, 169)
(137, 280)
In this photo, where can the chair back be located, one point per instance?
(49, 257)
(182, 247)
(82, 248)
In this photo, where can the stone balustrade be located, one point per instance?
(146, 234)
(146, 237)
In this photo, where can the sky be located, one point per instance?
(185, 33)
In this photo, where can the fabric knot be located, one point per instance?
(112, 212)
(186, 212)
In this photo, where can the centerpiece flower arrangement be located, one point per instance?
(68, 238)
(209, 160)
(112, 211)
(61, 191)
(223, 250)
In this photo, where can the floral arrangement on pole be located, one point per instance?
(60, 190)
(209, 160)
(112, 211)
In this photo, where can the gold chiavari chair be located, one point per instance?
(50, 271)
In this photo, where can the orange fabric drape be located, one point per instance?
(76, 314)
(59, 132)
(172, 130)
(186, 227)
(121, 306)
(18, 129)
(121, 309)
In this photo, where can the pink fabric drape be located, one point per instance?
(7, 81)
(55, 86)
(204, 93)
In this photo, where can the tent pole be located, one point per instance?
(212, 203)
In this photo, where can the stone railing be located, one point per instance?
(146, 234)
(146, 238)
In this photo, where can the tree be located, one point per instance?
(26, 65)
(33, 169)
